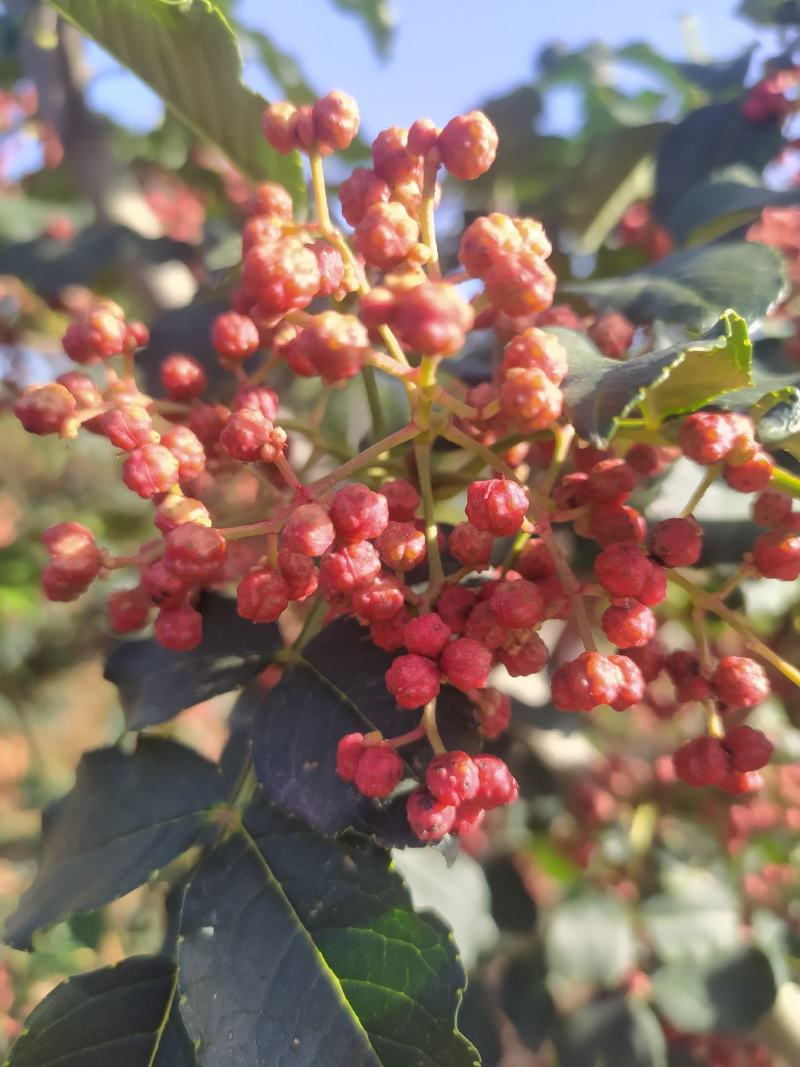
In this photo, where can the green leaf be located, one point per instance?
(125, 817)
(706, 141)
(771, 12)
(301, 949)
(23, 218)
(284, 68)
(297, 726)
(598, 391)
(721, 204)
(589, 941)
(155, 684)
(611, 1030)
(697, 916)
(728, 992)
(693, 287)
(616, 170)
(377, 17)
(125, 1015)
(526, 999)
(187, 53)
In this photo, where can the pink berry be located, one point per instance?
(497, 506)
(345, 569)
(525, 658)
(195, 553)
(586, 682)
(470, 546)
(706, 437)
(629, 625)
(262, 596)
(677, 542)
(426, 635)
(234, 336)
(777, 555)
(468, 145)
(496, 784)
(308, 530)
(358, 514)
(740, 682)
(183, 377)
(452, 777)
(430, 819)
(379, 771)
(701, 762)
(466, 663)
(748, 749)
(150, 470)
(348, 754)
(179, 629)
(622, 569)
(517, 605)
(413, 680)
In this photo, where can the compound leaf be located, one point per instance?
(598, 391)
(155, 684)
(175, 48)
(338, 687)
(693, 287)
(125, 817)
(126, 1015)
(299, 948)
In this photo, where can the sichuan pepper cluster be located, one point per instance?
(331, 302)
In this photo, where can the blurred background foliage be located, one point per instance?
(612, 918)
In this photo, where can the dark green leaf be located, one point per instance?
(771, 12)
(479, 1021)
(697, 916)
(598, 392)
(155, 684)
(705, 141)
(512, 905)
(728, 992)
(125, 1015)
(611, 1030)
(175, 48)
(338, 687)
(301, 949)
(526, 998)
(720, 77)
(693, 287)
(378, 19)
(126, 817)
(49, 265)
(589, 940)
(719, 205)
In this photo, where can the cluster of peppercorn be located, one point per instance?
(375, 551)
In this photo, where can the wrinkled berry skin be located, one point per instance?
(701, 762)
(429, 818)
(740, 682)
(496, 506)
(452, 777)
(413, 680)
(468, 145)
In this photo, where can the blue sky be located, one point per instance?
(449, 55)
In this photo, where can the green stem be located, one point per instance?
(320, 194)
(711, 602)
(705, 484)
(422, 454)
(365, 458)
(374, 401)
(431, 729)
(786, 482)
